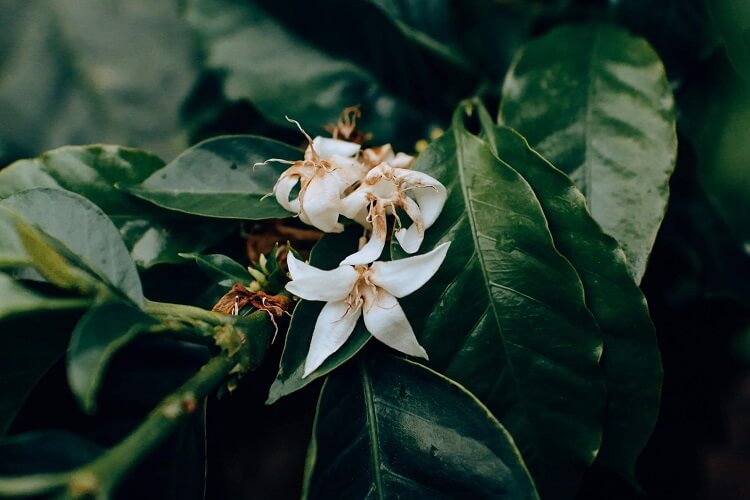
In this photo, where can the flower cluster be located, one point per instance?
(339, 178)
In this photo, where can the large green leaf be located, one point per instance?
(596, 102)
(732, 18)
(327, 253)
(222, 268)
(631, 362)
(390, 428)
(12, 251)
(505, 315)
(100, 333)
(83, 229)
(153, 235)
(281, 73)
(86, 71)
(90, 171)
(219, 178)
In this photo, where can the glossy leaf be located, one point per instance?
(153, 235)
(222, 268)
(87, 72)
(100, 333)
(631, 361)
(326, 254)
(218, 178)
(505, 315)
(390, 428)
(90, 171)
(85, 231)
(596, 102)
(281, 73)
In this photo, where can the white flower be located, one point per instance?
(373, 157)
(329, 168)
(384, 189)
(351, 292)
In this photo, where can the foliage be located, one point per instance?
(553, 127)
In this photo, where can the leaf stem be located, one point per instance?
(182, 311)
(106, 472)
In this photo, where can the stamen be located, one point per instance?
(275, 160)
(307, 136)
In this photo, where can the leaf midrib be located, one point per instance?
(590, 93)
(486, 280)
(372, 428)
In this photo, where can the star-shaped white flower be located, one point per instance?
(384, 189)
(329, 168)
(351, 292)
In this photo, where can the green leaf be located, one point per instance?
(432, 28)
(17, 300)
(631, 361)
(218, 178)
(113, 72)
(281, 73)
(326, 254)
(83, 229)
(733, 21)
(90, 171)
(222, 268)
(153, 235)
(29, 346)
(12, 251)
(48, 259)
(596, 102)
(505, 315)
(390, 428)
(100, 333)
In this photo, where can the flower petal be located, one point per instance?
(347, 171)
(429, 193)
(284, 189)
(320, 202)
(402, 160)
(312, 283)
(402, 277)
(335, 324)
(327, 147)
(377, 155)
(411, 239)
(386, 321)
(353, 204)
(374, 247)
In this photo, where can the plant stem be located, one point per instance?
(99, 478)
(182, 311)
(105, 473)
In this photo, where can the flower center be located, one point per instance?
(362, 287)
